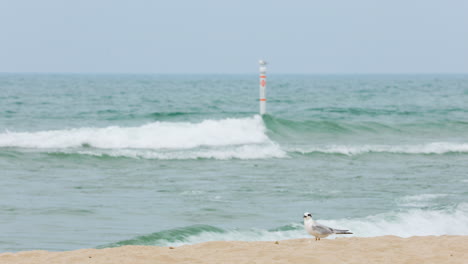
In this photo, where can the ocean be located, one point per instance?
(104, 160)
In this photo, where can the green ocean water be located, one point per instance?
(117, 159)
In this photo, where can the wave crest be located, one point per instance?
(232, 138)
(157, 135)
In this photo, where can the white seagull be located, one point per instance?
(317, 230)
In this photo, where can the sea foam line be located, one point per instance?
(253, 151)
(429, 148)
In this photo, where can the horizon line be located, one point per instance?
(244, 73)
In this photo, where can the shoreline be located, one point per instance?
(383, 249)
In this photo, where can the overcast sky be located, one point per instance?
(215, 36)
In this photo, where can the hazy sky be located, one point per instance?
(215, 36)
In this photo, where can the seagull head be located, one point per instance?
(307, 216)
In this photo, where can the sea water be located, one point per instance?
(117, 159)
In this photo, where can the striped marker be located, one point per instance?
(262, 86)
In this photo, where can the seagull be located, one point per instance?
(317, 230)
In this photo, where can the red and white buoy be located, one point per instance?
(262, 86)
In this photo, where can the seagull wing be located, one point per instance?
(323, 230)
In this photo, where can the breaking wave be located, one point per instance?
(157, 135)
(232, 138)
(415, 222)
(242, 138)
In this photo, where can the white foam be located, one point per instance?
(157, 135)
(429, 148)
(411, 223)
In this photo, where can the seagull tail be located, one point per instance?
(339, 231)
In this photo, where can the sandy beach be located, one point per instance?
(385, 249)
